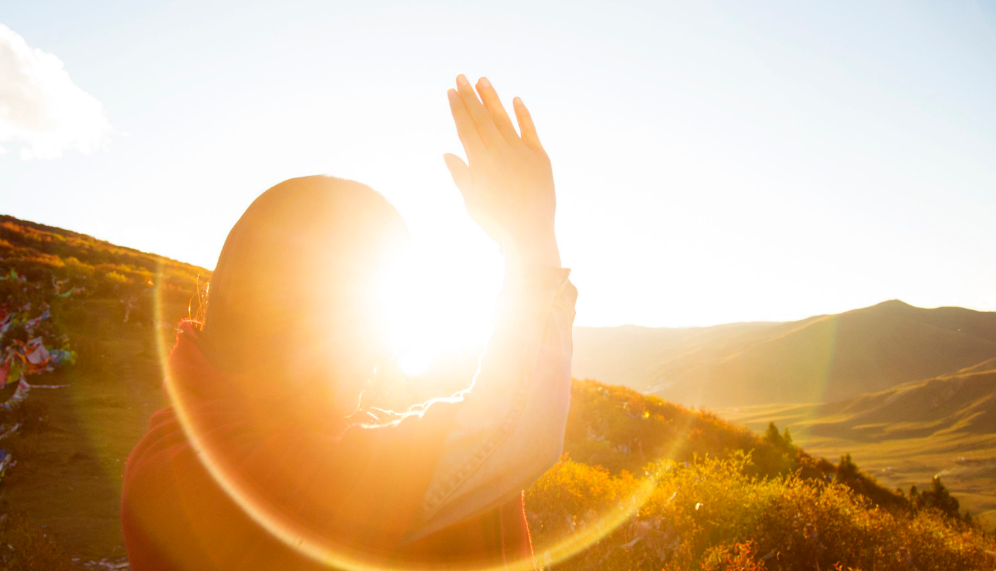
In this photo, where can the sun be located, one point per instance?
(428, 309)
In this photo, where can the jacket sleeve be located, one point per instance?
(510, 426)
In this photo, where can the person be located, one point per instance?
(265, 461)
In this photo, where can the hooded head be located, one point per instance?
(292, 303)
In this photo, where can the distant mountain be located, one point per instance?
(820, 359)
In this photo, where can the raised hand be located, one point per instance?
(508, 186)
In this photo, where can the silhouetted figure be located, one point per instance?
(264, 461)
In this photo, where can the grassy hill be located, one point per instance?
(657, 484)
(819, 359)
(71, 441)
(35, 249)
(963, 402)
(723, 497)
(945, 425)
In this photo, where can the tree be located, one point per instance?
(938, 497)
(773, 436)
(847, 470)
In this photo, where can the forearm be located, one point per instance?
(511, 424)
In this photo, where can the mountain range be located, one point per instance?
(824, 358)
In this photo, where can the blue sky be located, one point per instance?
(715, 162)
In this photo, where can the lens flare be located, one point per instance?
(548, 551)
(415, 362)
(428, 305)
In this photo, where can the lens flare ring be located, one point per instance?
(319, 550)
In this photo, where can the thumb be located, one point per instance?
(459, 171)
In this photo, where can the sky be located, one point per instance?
(714, 161)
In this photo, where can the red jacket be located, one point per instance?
(352, 492)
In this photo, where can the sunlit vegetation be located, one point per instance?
(93, 267)
(943, 425)
(711, 514)
(620, 429)
(727, 498)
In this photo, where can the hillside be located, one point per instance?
(29, 245)
(68, 443)
(945, 425)
(722, 497)
(644, 483)
(964, 402)
(819, 359)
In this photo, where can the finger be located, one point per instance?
(459, 171)
(526, 126)
(490, 98)
(466, 130)
(485, 124)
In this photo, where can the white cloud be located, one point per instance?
(42, 112)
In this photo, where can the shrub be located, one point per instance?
(710, 495)
(712, 514)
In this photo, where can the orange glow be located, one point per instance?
(413, 357)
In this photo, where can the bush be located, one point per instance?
(710, 495)
(712, 514)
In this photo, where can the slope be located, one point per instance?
(944, 425)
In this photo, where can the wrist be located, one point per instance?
(532, 249)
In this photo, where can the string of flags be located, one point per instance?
(22, 357)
